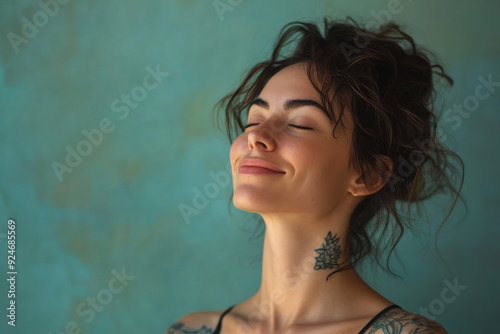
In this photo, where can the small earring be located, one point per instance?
(355, 192)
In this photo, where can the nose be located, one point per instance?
(263, 136)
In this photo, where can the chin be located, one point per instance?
(253, 200)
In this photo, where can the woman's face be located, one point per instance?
(287, 160)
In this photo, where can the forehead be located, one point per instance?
(290, 82)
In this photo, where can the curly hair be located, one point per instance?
(387, 84)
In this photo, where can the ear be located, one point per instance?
(373, 178)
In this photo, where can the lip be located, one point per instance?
(258, 166)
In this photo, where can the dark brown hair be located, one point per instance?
(386, 82)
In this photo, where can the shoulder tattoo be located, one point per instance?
(404, 322)
(180, 328)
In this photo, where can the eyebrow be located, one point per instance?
(290, 104)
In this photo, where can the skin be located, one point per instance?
(306, 209)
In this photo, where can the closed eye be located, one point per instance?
(292, 125)
(250, 125)
(300, 127)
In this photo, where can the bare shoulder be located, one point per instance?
(196, 323)
(398, 321)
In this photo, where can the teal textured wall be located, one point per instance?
(106, 131)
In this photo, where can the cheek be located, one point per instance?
(321, 164)
(238, 149)
(308, 155)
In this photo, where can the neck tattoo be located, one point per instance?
(328, 254)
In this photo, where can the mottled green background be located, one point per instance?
(119, 207)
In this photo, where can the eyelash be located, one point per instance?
(292, 125)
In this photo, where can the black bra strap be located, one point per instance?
(219, 325)
(376, 317)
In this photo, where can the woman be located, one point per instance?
(335, 134)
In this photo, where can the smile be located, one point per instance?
(258, 166)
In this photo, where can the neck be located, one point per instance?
(298, 257)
